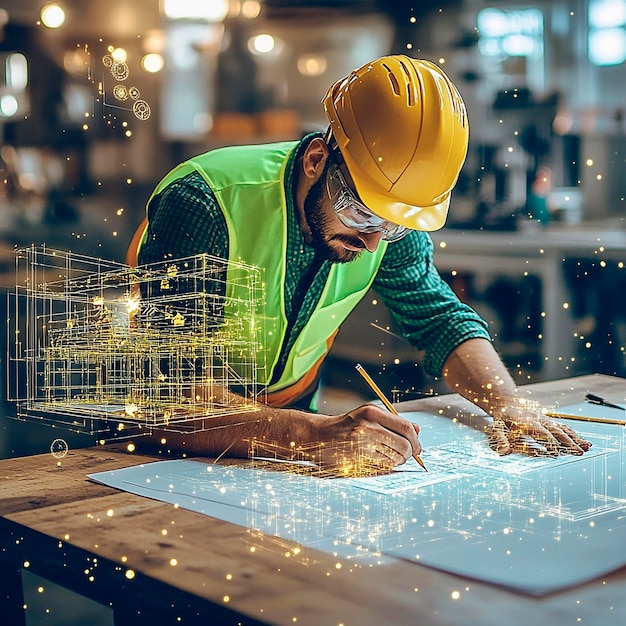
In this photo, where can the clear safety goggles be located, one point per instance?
(353, 213)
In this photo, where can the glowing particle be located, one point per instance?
(130, 574)
(59, 448)
(120, 92)
(173, 562)
(119, 70)
(141, 109)
(455, 595)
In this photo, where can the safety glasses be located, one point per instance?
(353, 213)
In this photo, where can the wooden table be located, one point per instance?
(158, 564)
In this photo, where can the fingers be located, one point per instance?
(387, 457)
(416, 428)
(535, 437)
(498, 440)
(369, 414)
(565, 443)
(381, 437)
(362, 456)
(583, 444)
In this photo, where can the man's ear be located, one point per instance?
(314, 157)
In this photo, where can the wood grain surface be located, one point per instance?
(120, 548)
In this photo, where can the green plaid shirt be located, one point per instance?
(185, 219)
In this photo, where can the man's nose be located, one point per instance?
(371, 240)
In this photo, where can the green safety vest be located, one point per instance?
(249, 184)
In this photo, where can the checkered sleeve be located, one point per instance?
(183, 220)
(429, 313)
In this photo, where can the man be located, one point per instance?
(328, 217)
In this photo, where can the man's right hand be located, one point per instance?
(364, 440)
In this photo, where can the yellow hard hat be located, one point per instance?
(401, 127)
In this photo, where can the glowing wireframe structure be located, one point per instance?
(101, 346)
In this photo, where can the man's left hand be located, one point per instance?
(534, 435)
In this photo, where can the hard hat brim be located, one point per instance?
(427, 218)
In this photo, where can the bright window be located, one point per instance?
(607, 32)
(510, 32)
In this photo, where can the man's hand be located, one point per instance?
(534, 434)
(474, 370)
(366, 439)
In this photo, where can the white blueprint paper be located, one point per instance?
(532, 524)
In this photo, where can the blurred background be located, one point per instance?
(99, 99)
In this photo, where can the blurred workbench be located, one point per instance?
(540, 252)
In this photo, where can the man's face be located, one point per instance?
(335, 241)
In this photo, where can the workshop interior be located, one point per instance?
(535, 239)
(82, 149)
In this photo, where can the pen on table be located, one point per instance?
(376, 389)
(591, 397)
(584, 418)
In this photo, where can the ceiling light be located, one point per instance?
(119, 54)
(152, 63)
(312, 64)
(52, 16)
(251, 9)
(265, 44)
(214, 11)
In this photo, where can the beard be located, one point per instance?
(323, 239)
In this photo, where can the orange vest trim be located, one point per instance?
(132, 254)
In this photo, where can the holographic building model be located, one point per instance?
(99, 346)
